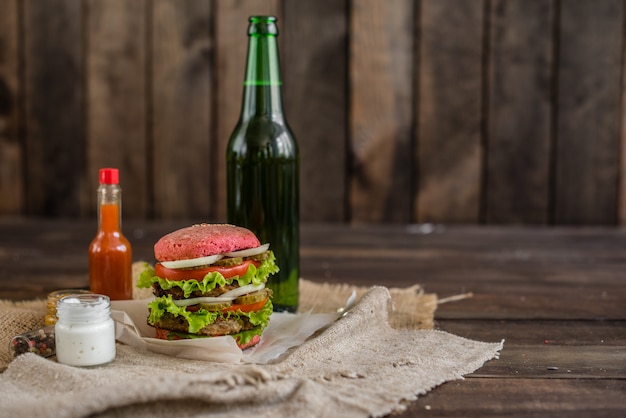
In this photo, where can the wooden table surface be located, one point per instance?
(557, 296)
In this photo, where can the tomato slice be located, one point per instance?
(252, 307)
(199, 273)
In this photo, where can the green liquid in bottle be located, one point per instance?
(263, 165)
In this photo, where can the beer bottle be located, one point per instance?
(263, 164)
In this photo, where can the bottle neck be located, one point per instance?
(262, 85)
(109, 207)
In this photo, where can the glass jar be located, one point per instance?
(53, 298)
(38, 341)
(85, 332)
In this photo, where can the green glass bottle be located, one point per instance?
(263, 164)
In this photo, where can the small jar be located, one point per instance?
(85, 332)
(53, 298)
(38, 341)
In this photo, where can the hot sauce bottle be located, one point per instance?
(110, 253)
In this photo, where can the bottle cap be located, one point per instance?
(109, 176)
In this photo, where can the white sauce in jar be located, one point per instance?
(85, 332)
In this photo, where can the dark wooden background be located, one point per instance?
(482, 111)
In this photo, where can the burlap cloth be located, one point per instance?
(373, 360)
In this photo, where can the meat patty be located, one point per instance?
(178, 293)
(222, 326)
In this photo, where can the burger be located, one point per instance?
(209, 280)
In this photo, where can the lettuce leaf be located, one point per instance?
(212, 280)
(244, 337)
(197, 320)
(202, 318)
(146, 276)
(262, 316)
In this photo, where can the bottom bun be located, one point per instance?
(166, 334)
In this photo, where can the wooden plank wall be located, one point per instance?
(447, 111)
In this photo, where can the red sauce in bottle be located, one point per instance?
(110, 253)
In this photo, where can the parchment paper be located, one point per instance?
(284, 331)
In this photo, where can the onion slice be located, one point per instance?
(243, 290)
(248, 252)
(191, 262)
(202, 299)
(204, 261)
(225, 297)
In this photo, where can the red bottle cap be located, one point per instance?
(109, 176)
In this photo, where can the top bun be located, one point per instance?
(203, 240)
